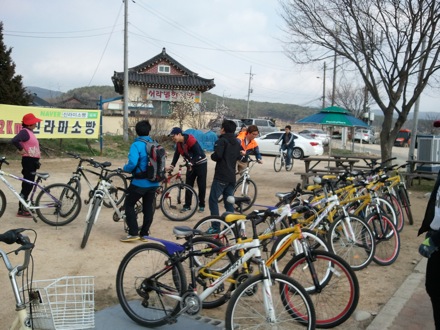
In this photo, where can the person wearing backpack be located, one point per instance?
(188, 147)
(140, 186)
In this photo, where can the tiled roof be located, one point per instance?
(188, 81)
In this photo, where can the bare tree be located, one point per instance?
(350, 97)
(182, 109)
(393, 45)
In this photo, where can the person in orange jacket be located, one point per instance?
(249, 147)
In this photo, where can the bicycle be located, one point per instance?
(115, 177)
(152, 287)
(280, 161)
(175, 196)
(64, 303)
(100, 193)
(56, 204)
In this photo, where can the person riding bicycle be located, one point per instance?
(139, 187)
(249, 147)
(188, 146)
(287, 140)
(29, 148)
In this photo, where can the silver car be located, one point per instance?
(364, 134)
(317, 134)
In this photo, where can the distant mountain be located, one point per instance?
(43, 93)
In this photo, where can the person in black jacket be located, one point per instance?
(226, 152)
(287, 140)
(430, 247)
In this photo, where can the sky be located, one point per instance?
(61, 45)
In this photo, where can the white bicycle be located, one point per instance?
(280, 161)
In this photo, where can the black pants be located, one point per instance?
(29, 167)
(433, 285)
(134, 193)
(198, 173)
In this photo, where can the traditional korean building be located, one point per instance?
(159, 81)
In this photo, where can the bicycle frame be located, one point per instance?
(253, 252)
(29, 205)
(102, 191)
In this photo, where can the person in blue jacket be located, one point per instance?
(139, 188)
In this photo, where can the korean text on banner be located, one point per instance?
(55, 124)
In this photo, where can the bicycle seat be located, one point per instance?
(42, 175)
(185, 231)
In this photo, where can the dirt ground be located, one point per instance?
(58, 253)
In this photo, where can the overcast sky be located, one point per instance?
(61, 45)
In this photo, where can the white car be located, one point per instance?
(317, 134)
(304, 147)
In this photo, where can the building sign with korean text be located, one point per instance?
(55, 124)
(155, 94)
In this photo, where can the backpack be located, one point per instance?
(155, 171)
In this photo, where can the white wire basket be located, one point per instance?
(67, 303)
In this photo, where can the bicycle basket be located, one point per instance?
(65, 303)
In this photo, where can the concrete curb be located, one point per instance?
(392, 308)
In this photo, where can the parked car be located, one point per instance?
(264, 125)
(403, 138)
(367, 135)
(318, 134)
(216, 126)
(304, 147)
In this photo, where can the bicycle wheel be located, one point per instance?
(404, 198)
(58, 204)
(75, 183)
(145, 282)
(387, 239)
(246, 188)
(173, 200)
(207, 274)
(397, 208)
(313, 240)
(277, 163)
(292, 306)
(117, 180)
(335, 294)
(225, 234)
(90, 221)
(2, 203)
(352, 240)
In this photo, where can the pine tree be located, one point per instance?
(11, 85)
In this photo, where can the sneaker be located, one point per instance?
(213, 231)
(201, 209)
(143, 239)
(185, 209)
(427, 248)
(288, 167)
(24, 214)
(130, 238)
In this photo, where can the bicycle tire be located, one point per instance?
(314, 241)
(398, 208)
(90, 220)
(173, 200)
(358, 253)
(2, 203)
(226, 236)
(403, 193)
(75, 183)
(144, 305)
(67, 206)
(277, 163)
(117, 180)
(293, 308)
(337, 298)
(224, 291)
(387, 239)
(250, 190)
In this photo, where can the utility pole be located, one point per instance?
(125, 120)
(412, 146)
(334, 80)
(323, 86)
(249, 91)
